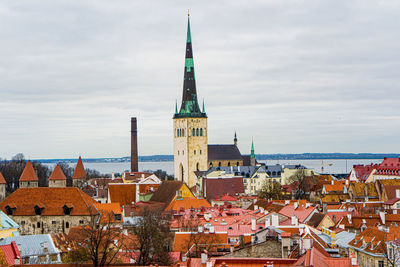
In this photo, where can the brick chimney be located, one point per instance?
(134, 148)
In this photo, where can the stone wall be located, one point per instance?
(268, 249)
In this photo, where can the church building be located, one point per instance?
(191, 150)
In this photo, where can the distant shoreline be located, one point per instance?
(304, 156)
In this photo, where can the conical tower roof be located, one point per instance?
(79, 172)
(2, 180)
(29, 173)
(58, 174)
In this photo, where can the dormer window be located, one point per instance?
(39, 209)
(10, 209)
(117, 217)
(68, 208)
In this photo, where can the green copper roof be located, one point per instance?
(188, 37)
(190, 106)
(252, 155)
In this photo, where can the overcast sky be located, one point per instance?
(296, 76)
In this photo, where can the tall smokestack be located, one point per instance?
(134, 150)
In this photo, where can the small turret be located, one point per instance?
(252, 155)
(235, 140)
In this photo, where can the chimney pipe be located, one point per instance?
(134, 147)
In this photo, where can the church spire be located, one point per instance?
(252, 155)
(190, 106)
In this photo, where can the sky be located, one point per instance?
(294, 76)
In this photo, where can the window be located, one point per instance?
(177, 132)
(200, 151)
(183, 132)
(53, 222)
(194, 151)
(178, 152)
(117, 217)
(219, 164)
(23, 222)
(381, 264)
(197, 132)
(67, 225)
(38, 224)
(201, 131)
(193, 132)
(229, 164)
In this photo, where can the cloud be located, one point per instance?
(296, 76)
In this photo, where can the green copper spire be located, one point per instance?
(190, 106)
(204, 109)
(188, 36)
(176, 107)
(252, 155)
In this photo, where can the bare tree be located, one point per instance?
(197, 241)
(99, 242)
(271, 190)
(152, 239)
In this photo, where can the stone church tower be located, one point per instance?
(190, 126)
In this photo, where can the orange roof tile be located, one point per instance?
(187, 203)
(79, 172)
(58, 174)
(108, 210)
(29, 173)
(2, 180)
(124, 194)
(53, 199)
(184, 240)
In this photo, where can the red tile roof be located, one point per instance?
(58, 174)
(2, 180)
(29, 173)
(363, 171)
(79, 172)
(11, 253)
(216, 188)
(227, 198)
(301, 212)
(53, 199)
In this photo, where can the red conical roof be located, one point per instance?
(29, 173)
(58, 174)
(79, 172)
(2, 180)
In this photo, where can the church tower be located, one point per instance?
(190, 126)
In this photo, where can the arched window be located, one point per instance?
(197, 132)
(219, 164)
(183, 132)
(178, 152)
(193, 132)
(229, 164)
(237, 163)
(200, 151)
(211, 164)
(201, 131)
(194, 151)
(273, 173)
